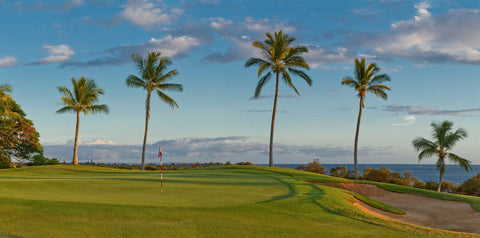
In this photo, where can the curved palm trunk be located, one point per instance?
(147, 116)
(75, 158)
(270, 162)
(442, 170)
(356, 139)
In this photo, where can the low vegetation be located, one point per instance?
(229, 201)
(384, 175)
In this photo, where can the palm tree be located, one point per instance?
(280, 59)
(153, 79)
(366, 80)
(444, 140)
(81, 99)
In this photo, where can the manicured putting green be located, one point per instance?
(196, 188)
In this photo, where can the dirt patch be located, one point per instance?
(423, 211)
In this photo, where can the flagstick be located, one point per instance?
(161, 174)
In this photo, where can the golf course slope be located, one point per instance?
(236, 201)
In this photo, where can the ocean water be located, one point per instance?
(424, 172)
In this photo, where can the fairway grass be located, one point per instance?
(237, 201)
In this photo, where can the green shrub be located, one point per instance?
(471, 186)
(244, 163)
(4, 162)
(339, 171)
(39, 159)
(314, 167)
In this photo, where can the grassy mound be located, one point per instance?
(238, 201)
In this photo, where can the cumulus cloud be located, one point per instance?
(428, 110)
(169, 46)
(453, 36)
(8, 61)
(90, 142)
(318, 57)
(193, 149)
(241, 35)
(64, 7)
(58, 53)
(409, 120)
(149, 14)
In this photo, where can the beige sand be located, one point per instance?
(423, 211)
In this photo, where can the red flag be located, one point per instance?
(160, 152)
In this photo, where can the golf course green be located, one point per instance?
(235, 201)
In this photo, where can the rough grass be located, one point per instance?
(237, 201)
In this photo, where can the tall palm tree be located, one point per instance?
(153, 78)
(81, 98)
(281, 59)
(366, 80)
(444, 139)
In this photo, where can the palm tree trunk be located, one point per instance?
(355, 149)
(440, 180)
(270, 162)
(147, 116)
(75, 158)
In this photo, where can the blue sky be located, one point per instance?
(430, 49)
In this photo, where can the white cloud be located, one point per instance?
(98, 142)
(169, 46)
(219, 23)
(453, 36)
(90, 142)
(7, 61)
(193, 149)
(241, 35)
(318, 57)
(58, 53)
(429, 110)
(409, 120)
(265, 25)
(149, 14)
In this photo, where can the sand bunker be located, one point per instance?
(423, 211)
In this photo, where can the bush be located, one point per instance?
(386, 176)
(244, 163)
(339, 171)
(4, 162)
(471, 186)
(39, 159)
(314, 167)
(447, 186)
(432, 185)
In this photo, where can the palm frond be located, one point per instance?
(256, 61)
(168, 76)
(302, 75)
(288, 80)
(379, 79)
(421, 143)
(171, 87)
(97, 109)
(261, 83)
(166, 99)
(378, 90)
(135, 82)
(451, 139)
(464, 163)
(66, 109)
(350, 82)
